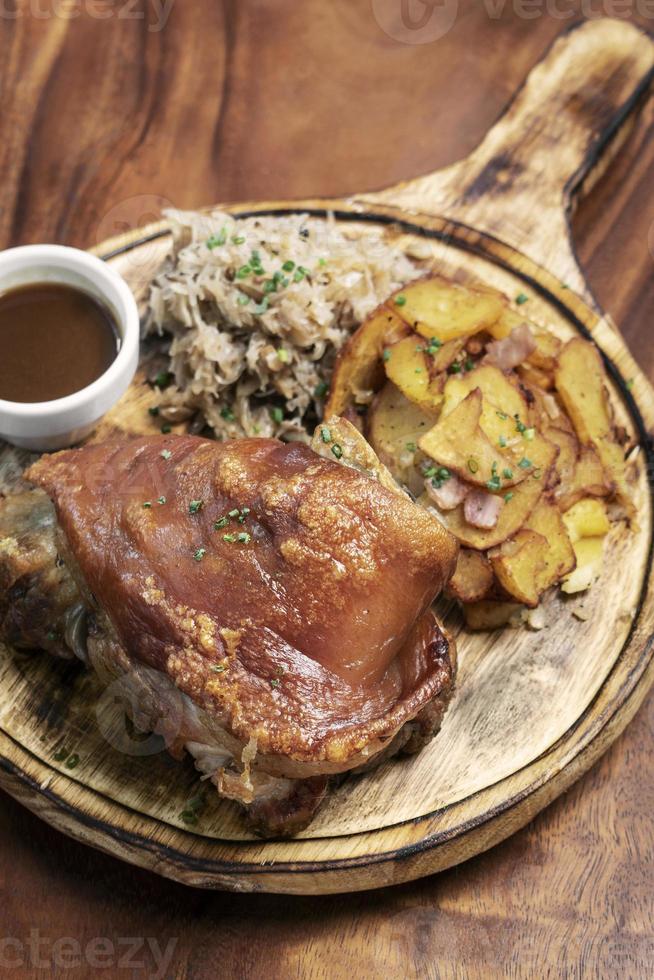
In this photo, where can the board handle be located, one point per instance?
(570, 115)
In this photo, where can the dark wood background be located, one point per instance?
(104, 118)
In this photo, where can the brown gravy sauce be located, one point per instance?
(54, 340)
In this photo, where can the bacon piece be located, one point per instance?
(482, 509)
(449, 494)
(512, 350)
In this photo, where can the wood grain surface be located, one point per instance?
(102, 120)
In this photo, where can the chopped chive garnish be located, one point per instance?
(277, 415)
(195, 506)
(153, 410)
(325, 434)
(507, 474)
(282, 354)
(166, 428)
(529, 434)
(61, 755)
(219, 668)
(418, 371)
(163, 379)
(243, 299)
(275, 682)
(199, 554)
(72, 761)
(454, 368)
(411, 446)
(161, 500)
(473, 465)
(234, 513)
(469, 364)
(214, 241)
(502, 441)
(227, 414)
(261, 307)
(630, 383)
(494, 483)
(147, 504)
(243, 537)
(537, 474)
(223, 522)
(337, 451)
(243, 272)
(400, 300)
(288, 266)
(508, 496)
(524, 463)
(520, 426)
(230, 538)
(434, 345)
(387, 354)
(238, 239)
(322, 262)
(521, 298)
(165, 454)
(502, 415)
(321, 389)
(429, 472)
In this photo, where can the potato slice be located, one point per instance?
(459, 443)
(589, 553)
(587, 519)
(407, 366)
(548, 348)
(516, 510)
(581, 383)
(537, 557)
(587, 479)
(489, 615)
(536, 376)
(446, 310)
(473, 577)
(559, 557)
(359, 371)
(517, 565)
(394, 428)
(503, 401)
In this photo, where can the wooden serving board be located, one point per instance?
(534, 709)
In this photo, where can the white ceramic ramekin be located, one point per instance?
(46, 426)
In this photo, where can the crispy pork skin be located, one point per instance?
(286, 597)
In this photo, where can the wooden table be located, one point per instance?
(105, 118)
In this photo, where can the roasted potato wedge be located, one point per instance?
(359, 370)
(473, 577)
(503, 403)
(537, 557)
(515, 511)
(407, 366)
(394, 428)
(581, 384)
(435, 307)
(546, 520)
(517, 566)
(587, 479)
(589, 553)
(458, 442)
(587, 519)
